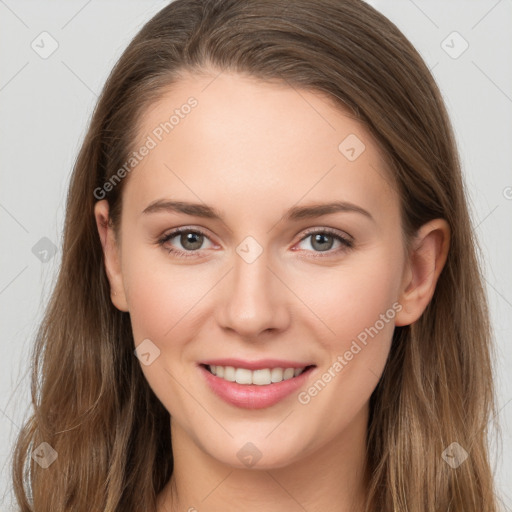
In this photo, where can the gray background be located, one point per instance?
(45, 105)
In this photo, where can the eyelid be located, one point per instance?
(183, 229)
(331, 231)
(346, 242)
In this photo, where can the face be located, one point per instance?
(274, 281)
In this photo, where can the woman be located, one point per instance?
(269, 296)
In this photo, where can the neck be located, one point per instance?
(331, 478)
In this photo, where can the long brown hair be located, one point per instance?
(91, 402)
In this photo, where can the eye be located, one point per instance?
(191, 241)
(323, 240)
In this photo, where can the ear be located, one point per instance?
(427, 257)
(111, 255)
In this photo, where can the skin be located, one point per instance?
(253, 150)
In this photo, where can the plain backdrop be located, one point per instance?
(46, 102)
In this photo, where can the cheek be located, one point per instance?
(152, 306)
(350, 299)
(161, 296)
(359, 306)
(161, 299)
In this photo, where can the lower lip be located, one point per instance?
(252, 396)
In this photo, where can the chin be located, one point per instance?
(255, 455)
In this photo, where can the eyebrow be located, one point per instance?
(293, 214)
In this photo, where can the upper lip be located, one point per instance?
(256, 365)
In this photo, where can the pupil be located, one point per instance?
(191, 240)
(321, 238)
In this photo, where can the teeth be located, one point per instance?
(276, 374)
(261, 377)
(243, 376)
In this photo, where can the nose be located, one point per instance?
(255, 301)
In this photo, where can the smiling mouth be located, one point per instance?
(260, 377)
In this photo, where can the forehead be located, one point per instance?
(232, 136)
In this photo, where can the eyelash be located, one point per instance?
(346, 242)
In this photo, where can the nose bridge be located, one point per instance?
(254, 301)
